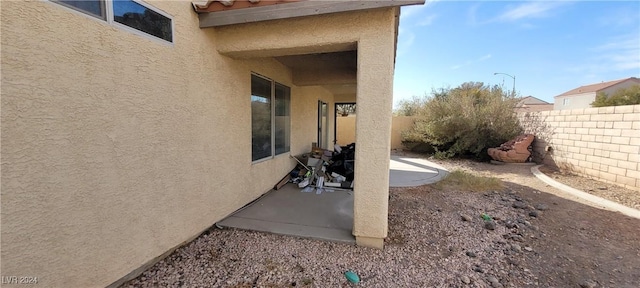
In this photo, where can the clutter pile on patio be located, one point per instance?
(323, 170)
(517, 150)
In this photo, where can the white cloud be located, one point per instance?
(621, 53)
(533, 9)
(406, 39)
(407, 12)
(618, 54)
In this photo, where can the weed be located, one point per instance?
(465, 181)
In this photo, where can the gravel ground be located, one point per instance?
(608, 191)
(521, 175)
(437, 238)
(428, 246)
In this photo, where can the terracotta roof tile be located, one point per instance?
(222, 5)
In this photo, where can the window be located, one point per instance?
(270, 118)
(92, 7)
(283, 118)
(139, 17)
(129, 13)
(566, 101)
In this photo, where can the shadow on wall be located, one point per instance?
(543, 152)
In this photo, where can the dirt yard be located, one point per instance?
(437, 238)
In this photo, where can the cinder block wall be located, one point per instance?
(602, 143)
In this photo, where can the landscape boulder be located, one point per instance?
(513, 151)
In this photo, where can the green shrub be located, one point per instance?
(623, 96)
(466, 120)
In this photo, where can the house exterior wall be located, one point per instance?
(623, 85)
(584, 100)
(373, 33)
(117, 148)
(603, 143)
(576, 101)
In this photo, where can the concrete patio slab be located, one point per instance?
(288, 211)
(407, 171)
(328, 215)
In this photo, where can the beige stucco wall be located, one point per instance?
(400, 124)
(576, 101)
(346, 130)
(116, 148)
(603, 143)
(373, 33)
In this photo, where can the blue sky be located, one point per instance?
(549, 46)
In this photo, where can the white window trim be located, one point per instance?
(110, 20)
(273, 117)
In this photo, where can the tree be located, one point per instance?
(466, 120)
(345, 109)
(622, 96)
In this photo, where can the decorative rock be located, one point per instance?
(513, 151)
(490, 225)
(465, 279)
(519, 205)
(513, 237)
(588, 284)
(516, 247)
(534, 213)
(466, 218)
(471, 254)
(542, 207)
(528, 248)
(509, 224)
(494, 281)
(478, 269)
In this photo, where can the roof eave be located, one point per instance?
(293, 10)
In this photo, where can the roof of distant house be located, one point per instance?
(597, 87)
(530, 100)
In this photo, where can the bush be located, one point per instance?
(623, 96)
(466, 120)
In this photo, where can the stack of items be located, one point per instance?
(323, 170)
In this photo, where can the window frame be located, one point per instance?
(273, 153)
(83, 12)
(110, 18)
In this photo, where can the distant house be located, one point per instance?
(532, 104)
(583, 96)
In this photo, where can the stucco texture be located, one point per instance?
(373, 33)
(346, 130)
(117, 148)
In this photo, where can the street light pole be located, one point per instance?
(513, 93)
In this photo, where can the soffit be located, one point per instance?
(335, 71)
(264, 10)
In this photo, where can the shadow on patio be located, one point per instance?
(328, 215)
